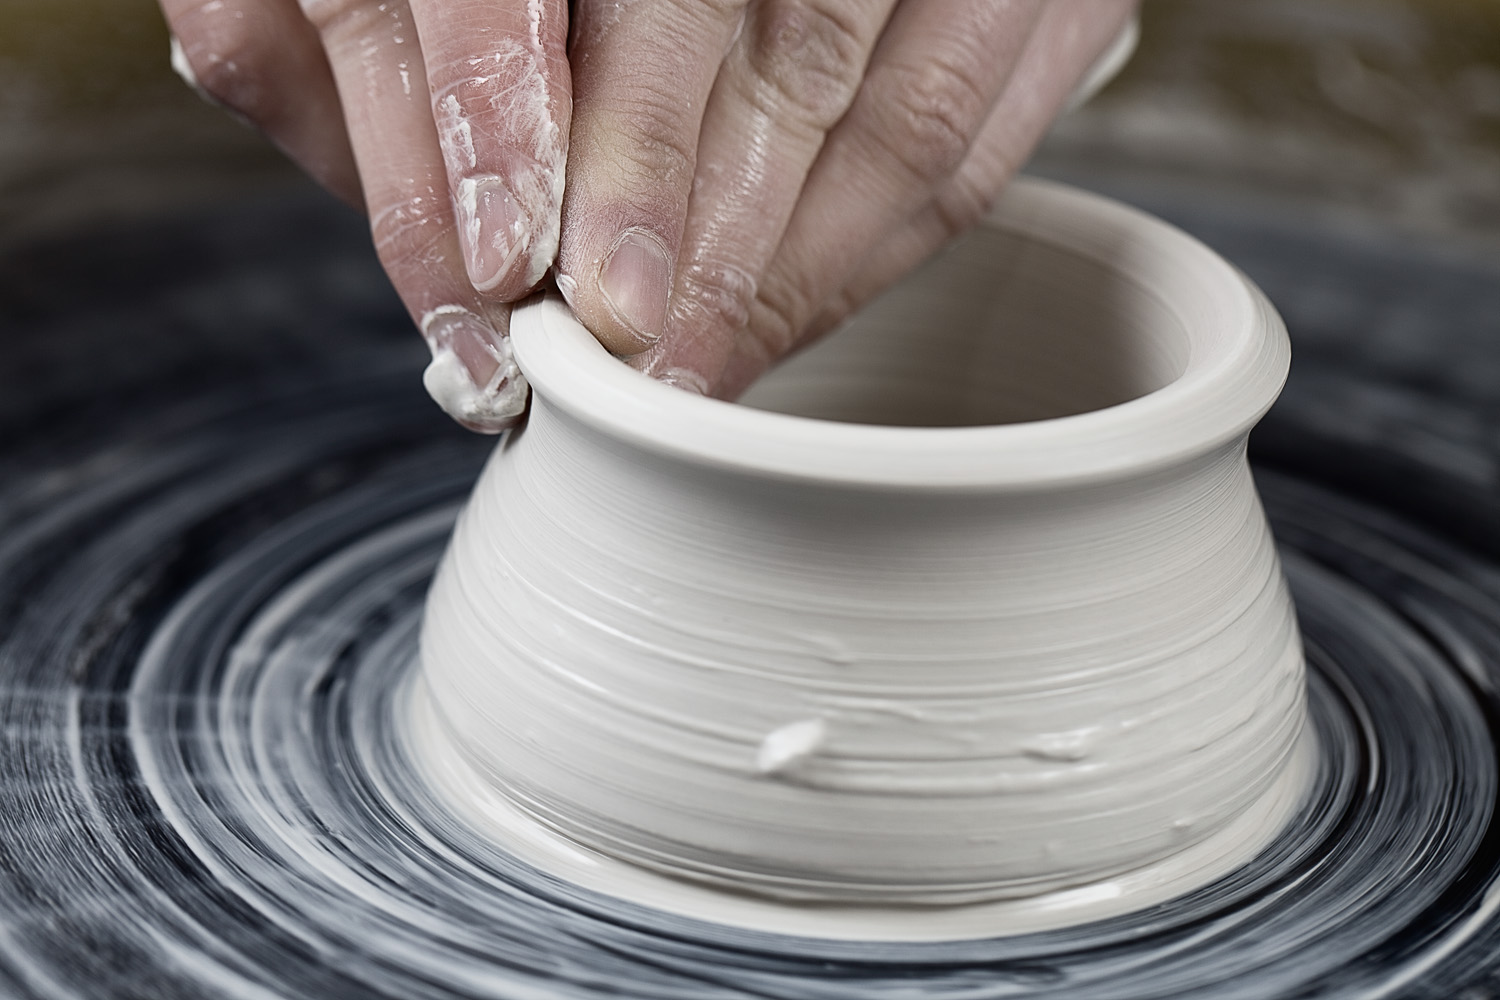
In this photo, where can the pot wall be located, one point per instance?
(929, 662)
(975, 695)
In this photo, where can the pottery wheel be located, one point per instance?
(223, 493)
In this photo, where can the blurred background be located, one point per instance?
(1386, 109)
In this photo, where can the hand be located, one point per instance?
(454, 144)
(742, 173)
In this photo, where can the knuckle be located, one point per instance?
(774, 321)
(929, 116)
(231, 61)
(505, 78)
(652, 137)
(810, 57)
(718, 292)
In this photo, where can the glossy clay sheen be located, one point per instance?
(971, 607)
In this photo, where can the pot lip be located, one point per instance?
(1237, 362)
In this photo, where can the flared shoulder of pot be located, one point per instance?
(1233, 362)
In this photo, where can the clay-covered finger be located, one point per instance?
(788, 79)
(372, 47)
(263, 60)
(500, 89)
(936, 75)
(642, 74)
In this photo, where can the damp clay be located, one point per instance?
(965, 621)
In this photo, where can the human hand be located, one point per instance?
(447, 120)
(762, 194)
(742, 173)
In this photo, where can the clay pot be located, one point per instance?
(975, 599)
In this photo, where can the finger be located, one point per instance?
(501, 98)
(262, 60)
(788, 79)
(1068, 37)
(1018, 123)
(372, 47)
(642, 73)
(932, 84)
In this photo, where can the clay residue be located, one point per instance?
(498, 128)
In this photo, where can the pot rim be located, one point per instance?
(1238, 357)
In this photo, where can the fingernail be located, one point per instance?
(494, 233)
(473, 375)
(636, 278)
(183, 68)
(568, 286)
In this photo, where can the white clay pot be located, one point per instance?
(973, 600)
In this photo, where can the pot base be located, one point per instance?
(496, 818)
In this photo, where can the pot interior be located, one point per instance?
(1001, 328)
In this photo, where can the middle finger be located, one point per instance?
(642, 73)
(788, 79)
